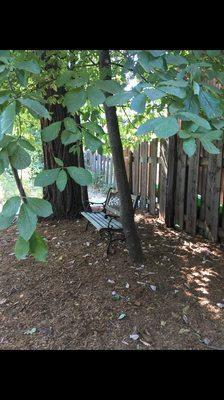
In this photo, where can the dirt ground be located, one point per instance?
(74, 301)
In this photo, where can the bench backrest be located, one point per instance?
(112, 203)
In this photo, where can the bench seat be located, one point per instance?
(100, 222)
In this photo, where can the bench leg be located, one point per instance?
(87, 225)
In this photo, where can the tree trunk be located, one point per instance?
(127, 214)
(66, 204)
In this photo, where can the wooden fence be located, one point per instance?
(188, 193)
(101, 166)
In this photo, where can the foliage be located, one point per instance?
(157, 92)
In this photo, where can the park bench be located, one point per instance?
(107, 219)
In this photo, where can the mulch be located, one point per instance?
(74, 301)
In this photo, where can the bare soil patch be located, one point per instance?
(170, 302)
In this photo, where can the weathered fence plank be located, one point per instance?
(192, 186)
(213, 189)
(144, 160)
(135, 170)
(163, 176)
(171, 182)
(180, 185)
(152, 176)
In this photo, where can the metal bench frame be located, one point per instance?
(106, 220)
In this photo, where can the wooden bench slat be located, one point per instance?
(98, 220)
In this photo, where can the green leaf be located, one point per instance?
(108, 86)
(27, 222)
(191, 104)
(93, 127)
(209, 146)
(213, 53)
(4, 98)
(147, 64)
(5, 222)
(218, 123)
(58, 161)
(184, 135)
(210, 105)
(175, 60)
(196, 88)
(174, 91)
(35, 107)
(96, 96)
(154, 94)
(7, 119)
(162, 126)
(119, 99)
(64, 78)
(27, 145)
(40, 207)
(92, 142)
(11, 207)
(75, 100)
(68, 137)
(157, 53)
(29, 66)
(4, 158)
(138, 103)
(22, 78)
(176, 83)
(38, 247)
(77, 82)
(21, 248)
(61, 181)
(46, 177)
(70, 125)
(80, 175)
(189, 147)
(20, 159)
(51, 132)
(194, 118)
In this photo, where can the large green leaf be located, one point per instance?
(92, 142)
(138, 103)
(191, 104)
(27, 222)
(209, 146)
(80, 175)
(157, 53)
(30, 66)
(75, 100)
(21, 248)
(46, 177)
(11, 206)
(4, 159)
(96, 96)
(38, 247)
(36, 107)
(94, 127)
(174, 91)
(210, 105)
(20, 159)
(40, 207)
(5, 222)
(147, 63)
(176, 83)
(218, 123)
(70, 125)
(175, 59)
(4, 98)
(108, 86)
(77, 82)
(64, 78)
(7, 119)
(119, 99)
(162, 126)
(189, 146)
(26, 144)
(68, 137)
(154, 94)
(188, 116)
(51, 132)
(61, 181)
